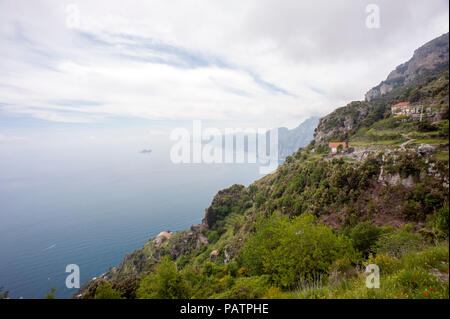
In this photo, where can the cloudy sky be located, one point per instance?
(74, 65)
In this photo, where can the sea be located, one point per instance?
(91, 203)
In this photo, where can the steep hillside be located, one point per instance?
(308, 229)
(430, 91)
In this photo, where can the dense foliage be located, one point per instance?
(293, 249)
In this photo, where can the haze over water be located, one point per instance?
(90, 204)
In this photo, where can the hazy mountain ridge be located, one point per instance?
(289, 141)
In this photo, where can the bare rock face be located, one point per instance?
(341, 121)
(425, 149)
(162, 236)
(189, 240)
(427, 57)
(201, 240)
(396, 179)
(213, 255)
(228, 254)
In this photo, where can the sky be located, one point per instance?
(85, 68)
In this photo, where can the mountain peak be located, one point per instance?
(433, 55)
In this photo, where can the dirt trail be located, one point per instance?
(409, 140)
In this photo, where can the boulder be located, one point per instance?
(162, 236)
(425, 149)
(213, 255)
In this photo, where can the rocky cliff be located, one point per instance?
(430, 56)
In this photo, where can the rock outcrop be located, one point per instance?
(162, 236)
(429, 56)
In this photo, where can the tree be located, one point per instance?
(364, 236)
(292, 250)
(164, 283)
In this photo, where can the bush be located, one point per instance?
(127, 287)
(387, 263)
(164, 283)
(247, 288)
(425, 126)
(291, 250)
(273, 293)
(213, 236)
(442, 217)
(364, 237)
(399, 242)
(107, 292)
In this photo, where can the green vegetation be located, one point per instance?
(306, 231)
(51, 294)
(3, 294)
(292, 249)
(430, 141)
(383, 142)
(309, 229)
(164, 283)
(107, 292)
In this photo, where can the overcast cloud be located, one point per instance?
(261, 63)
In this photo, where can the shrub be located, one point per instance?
(398, 243)
(442, 217)
(290, 250)
(127, 287)
(273, 293)
(213, 236)
(247, 288)
(387, 263)
(164, 283)
(364, 236)
(107, 292)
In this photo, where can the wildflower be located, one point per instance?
(431, 289)
(425, 294)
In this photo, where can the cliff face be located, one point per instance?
(428, 57)
(422, 78)
(337, 125)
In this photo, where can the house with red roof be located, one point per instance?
(400, 109)
(334, 146)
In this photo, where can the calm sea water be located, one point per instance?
(90, 205)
